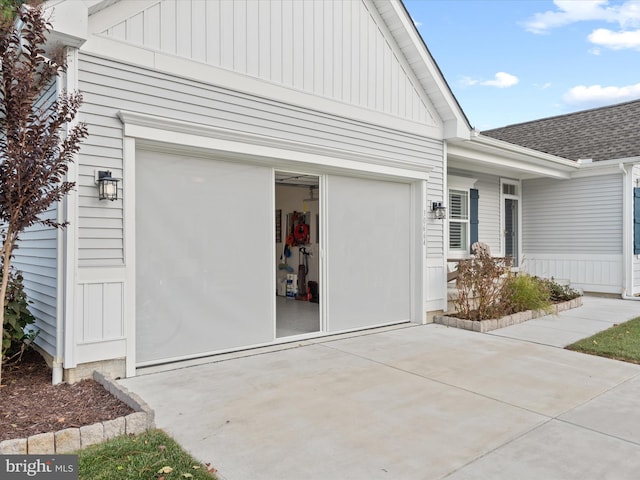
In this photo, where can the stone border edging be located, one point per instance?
(484, 326)
(72, 439)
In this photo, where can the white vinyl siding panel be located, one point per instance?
(110, 86)
(489, 228)
(328, 48)
(582, 215)
(37, 258)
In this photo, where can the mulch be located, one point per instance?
(30, 404)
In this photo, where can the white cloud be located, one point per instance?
(571, 11)
(467, 82)
(615, 40)
(594, 95)
(416, 23)
(501, 80)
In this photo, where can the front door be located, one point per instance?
(511, 230)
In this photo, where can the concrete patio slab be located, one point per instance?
(420, 402)
(614, 413)
(545, 380)
(557, 451)
(596, 314)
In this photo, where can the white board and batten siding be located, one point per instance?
(331, 49)
(572, 230)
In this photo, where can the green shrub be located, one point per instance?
(523, 292)
(17, 317)
(560, 293)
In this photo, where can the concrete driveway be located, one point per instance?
(416, 402)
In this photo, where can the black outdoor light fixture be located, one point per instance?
(107, 185)
(439, 210)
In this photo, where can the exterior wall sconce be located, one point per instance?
(107, 185)
(439, 210)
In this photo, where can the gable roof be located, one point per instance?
(403, 81)
(605, 133)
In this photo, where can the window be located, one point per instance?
(458, 220)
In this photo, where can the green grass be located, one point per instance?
(620, 342)
(140, 457)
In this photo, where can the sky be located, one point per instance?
(511, 61)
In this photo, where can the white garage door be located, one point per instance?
(368, 252)
(204, 247)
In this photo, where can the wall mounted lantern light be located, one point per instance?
(439, 210)
(107, 185)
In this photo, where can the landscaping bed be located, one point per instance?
(38, 417)
(506, 321)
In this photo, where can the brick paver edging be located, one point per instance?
(72, 439)
(488, 325)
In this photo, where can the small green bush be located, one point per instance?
(523, 292)
(17, 317)
(558, 292)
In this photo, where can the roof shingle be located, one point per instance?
(604, 133)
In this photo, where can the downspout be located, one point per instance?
(626, 233)
(57, 362)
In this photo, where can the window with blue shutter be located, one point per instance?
(636, 221)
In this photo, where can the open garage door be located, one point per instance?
(204, 253)
(368, 252)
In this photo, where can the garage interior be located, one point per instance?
(297, 244)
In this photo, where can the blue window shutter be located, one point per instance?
(473, 215)
(636, 221)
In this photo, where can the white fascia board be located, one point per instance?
(526, 162)
(189, 136)
(69, 22)
(604, 167)
(456, 125)
(210, 74)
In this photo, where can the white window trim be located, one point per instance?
(518, 197)
(455, 182)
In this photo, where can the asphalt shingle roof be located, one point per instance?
(605, 133)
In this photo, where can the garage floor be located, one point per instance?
(413, 402)
(296, 317)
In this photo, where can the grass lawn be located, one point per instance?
(152, 455)
(620, 342)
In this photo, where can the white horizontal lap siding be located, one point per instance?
(106, 84)
(100, 223)
(582, 215)
(435, 228)
(572, 230)
(489, 228)
(328, 48)
(36, 257)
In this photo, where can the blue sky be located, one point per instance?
(510, 61)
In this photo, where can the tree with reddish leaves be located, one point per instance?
(38, 138)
